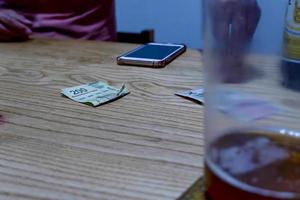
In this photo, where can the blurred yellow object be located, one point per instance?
(195, 192)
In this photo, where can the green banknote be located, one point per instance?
(94, 94)
(195, 94)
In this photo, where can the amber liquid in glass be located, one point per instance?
(253, 166)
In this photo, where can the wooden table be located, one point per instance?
(147, 145)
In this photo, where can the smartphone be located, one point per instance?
(152, 55)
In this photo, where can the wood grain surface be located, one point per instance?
(147, 145)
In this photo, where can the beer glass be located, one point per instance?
(252, 99)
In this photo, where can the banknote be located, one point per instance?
(194, 94)
(95, 94)
(237, 105)
(245, 106)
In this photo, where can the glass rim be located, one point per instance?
(247, 187)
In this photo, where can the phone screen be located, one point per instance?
(153, 51)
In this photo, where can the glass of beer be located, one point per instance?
(252, 99)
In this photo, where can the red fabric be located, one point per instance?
(82, 19)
